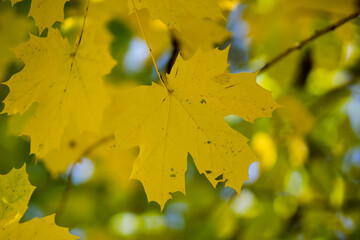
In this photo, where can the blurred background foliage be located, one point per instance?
(306, 184)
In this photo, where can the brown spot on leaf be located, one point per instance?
(72, 144)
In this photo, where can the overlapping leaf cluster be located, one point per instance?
(62, 91)
(72, 97)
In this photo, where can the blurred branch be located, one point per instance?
(86, 152)
(174, 54)
(301, 44)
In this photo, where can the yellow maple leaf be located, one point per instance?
(36, 229)
(45, 12)
(15, 192)
(175, 13)
(195, 31)
(186, 116)
(200, 33)
(73, 145)
(194, 24)
(115, 161)
(64, 81)
(96, 146)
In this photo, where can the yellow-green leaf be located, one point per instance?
(186, 116)
(36, 229)
(15, 193)
(65, 82)
(175, 13)
(45, 12)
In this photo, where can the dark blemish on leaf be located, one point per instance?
(164, 100)
(203, 101)
(173, 175)
(64, 90)
(220, 177)
(172, 169)
(263, 109)
(230, 86)
(208, 171)
(72, 144)
(176, 72)
(208, 142)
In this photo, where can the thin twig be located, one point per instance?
(304, 42)
(86, 152)
(147, 43)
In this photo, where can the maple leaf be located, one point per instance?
(76, 144)
(186, 116)
(72, 147)
(36, 229)
(64, 81)
(195, 24)
(200, 33)
(45, 12)
(175, 13)
(15, 192)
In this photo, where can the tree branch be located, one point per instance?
(304, 42)
(86, 152)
